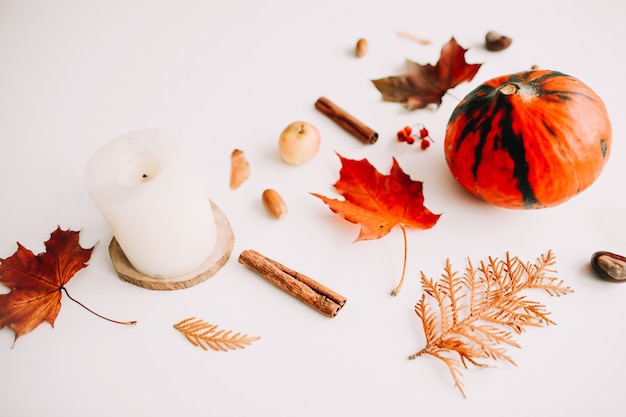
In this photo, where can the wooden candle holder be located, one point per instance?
(216, 260)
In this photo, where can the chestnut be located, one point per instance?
(609, 266)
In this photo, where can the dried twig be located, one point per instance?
(408, 36)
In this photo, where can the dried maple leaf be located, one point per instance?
(380, 202)
(205, 335)
(481, 310)
(426, 84)
(36, 281)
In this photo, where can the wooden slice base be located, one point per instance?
(216, 260)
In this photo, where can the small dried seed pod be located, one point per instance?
(239, 169)
(274, 203)
(609, 266)
(496, 42)
(361, 48)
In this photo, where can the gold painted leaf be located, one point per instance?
(206, 335)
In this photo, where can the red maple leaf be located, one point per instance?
(380, 202)
(426, 84)
(36, 281)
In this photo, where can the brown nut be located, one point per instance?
(496, 42)
(274, 203)
(361, 47)
(609, 266)
(239, 169)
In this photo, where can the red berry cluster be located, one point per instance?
(407, 135)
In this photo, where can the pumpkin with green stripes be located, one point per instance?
(528, 140)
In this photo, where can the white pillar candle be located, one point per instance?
(149, 189)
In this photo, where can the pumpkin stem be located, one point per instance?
(509, 88)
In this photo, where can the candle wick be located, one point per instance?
(144, 176)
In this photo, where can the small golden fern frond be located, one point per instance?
(452, 285)
(475, 285)
(434, 289)
(429, 320)
(453, 365)
(488, 342)
(555, 287)
(206, 335)
(541, 276)
(481, 310)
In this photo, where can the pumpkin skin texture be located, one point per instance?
(528, 140)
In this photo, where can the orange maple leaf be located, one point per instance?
(426, 84)
(36, 281)
(380, 202)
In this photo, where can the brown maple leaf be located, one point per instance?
(36, 281)
(380, 202)
(480, 311)
(426, 84)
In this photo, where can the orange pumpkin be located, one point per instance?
(528, 140)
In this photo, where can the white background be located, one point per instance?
(226, 75)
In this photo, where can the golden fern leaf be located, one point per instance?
(494, 310)
(488, 337)
(452, 285)
(429, 320)
(206, 335)
(453, 366)
(475, 287)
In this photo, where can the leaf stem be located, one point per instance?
(396, 290)
(418, 354)
(127, 323)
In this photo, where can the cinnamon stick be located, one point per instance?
(348, 122)
(304, 288)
